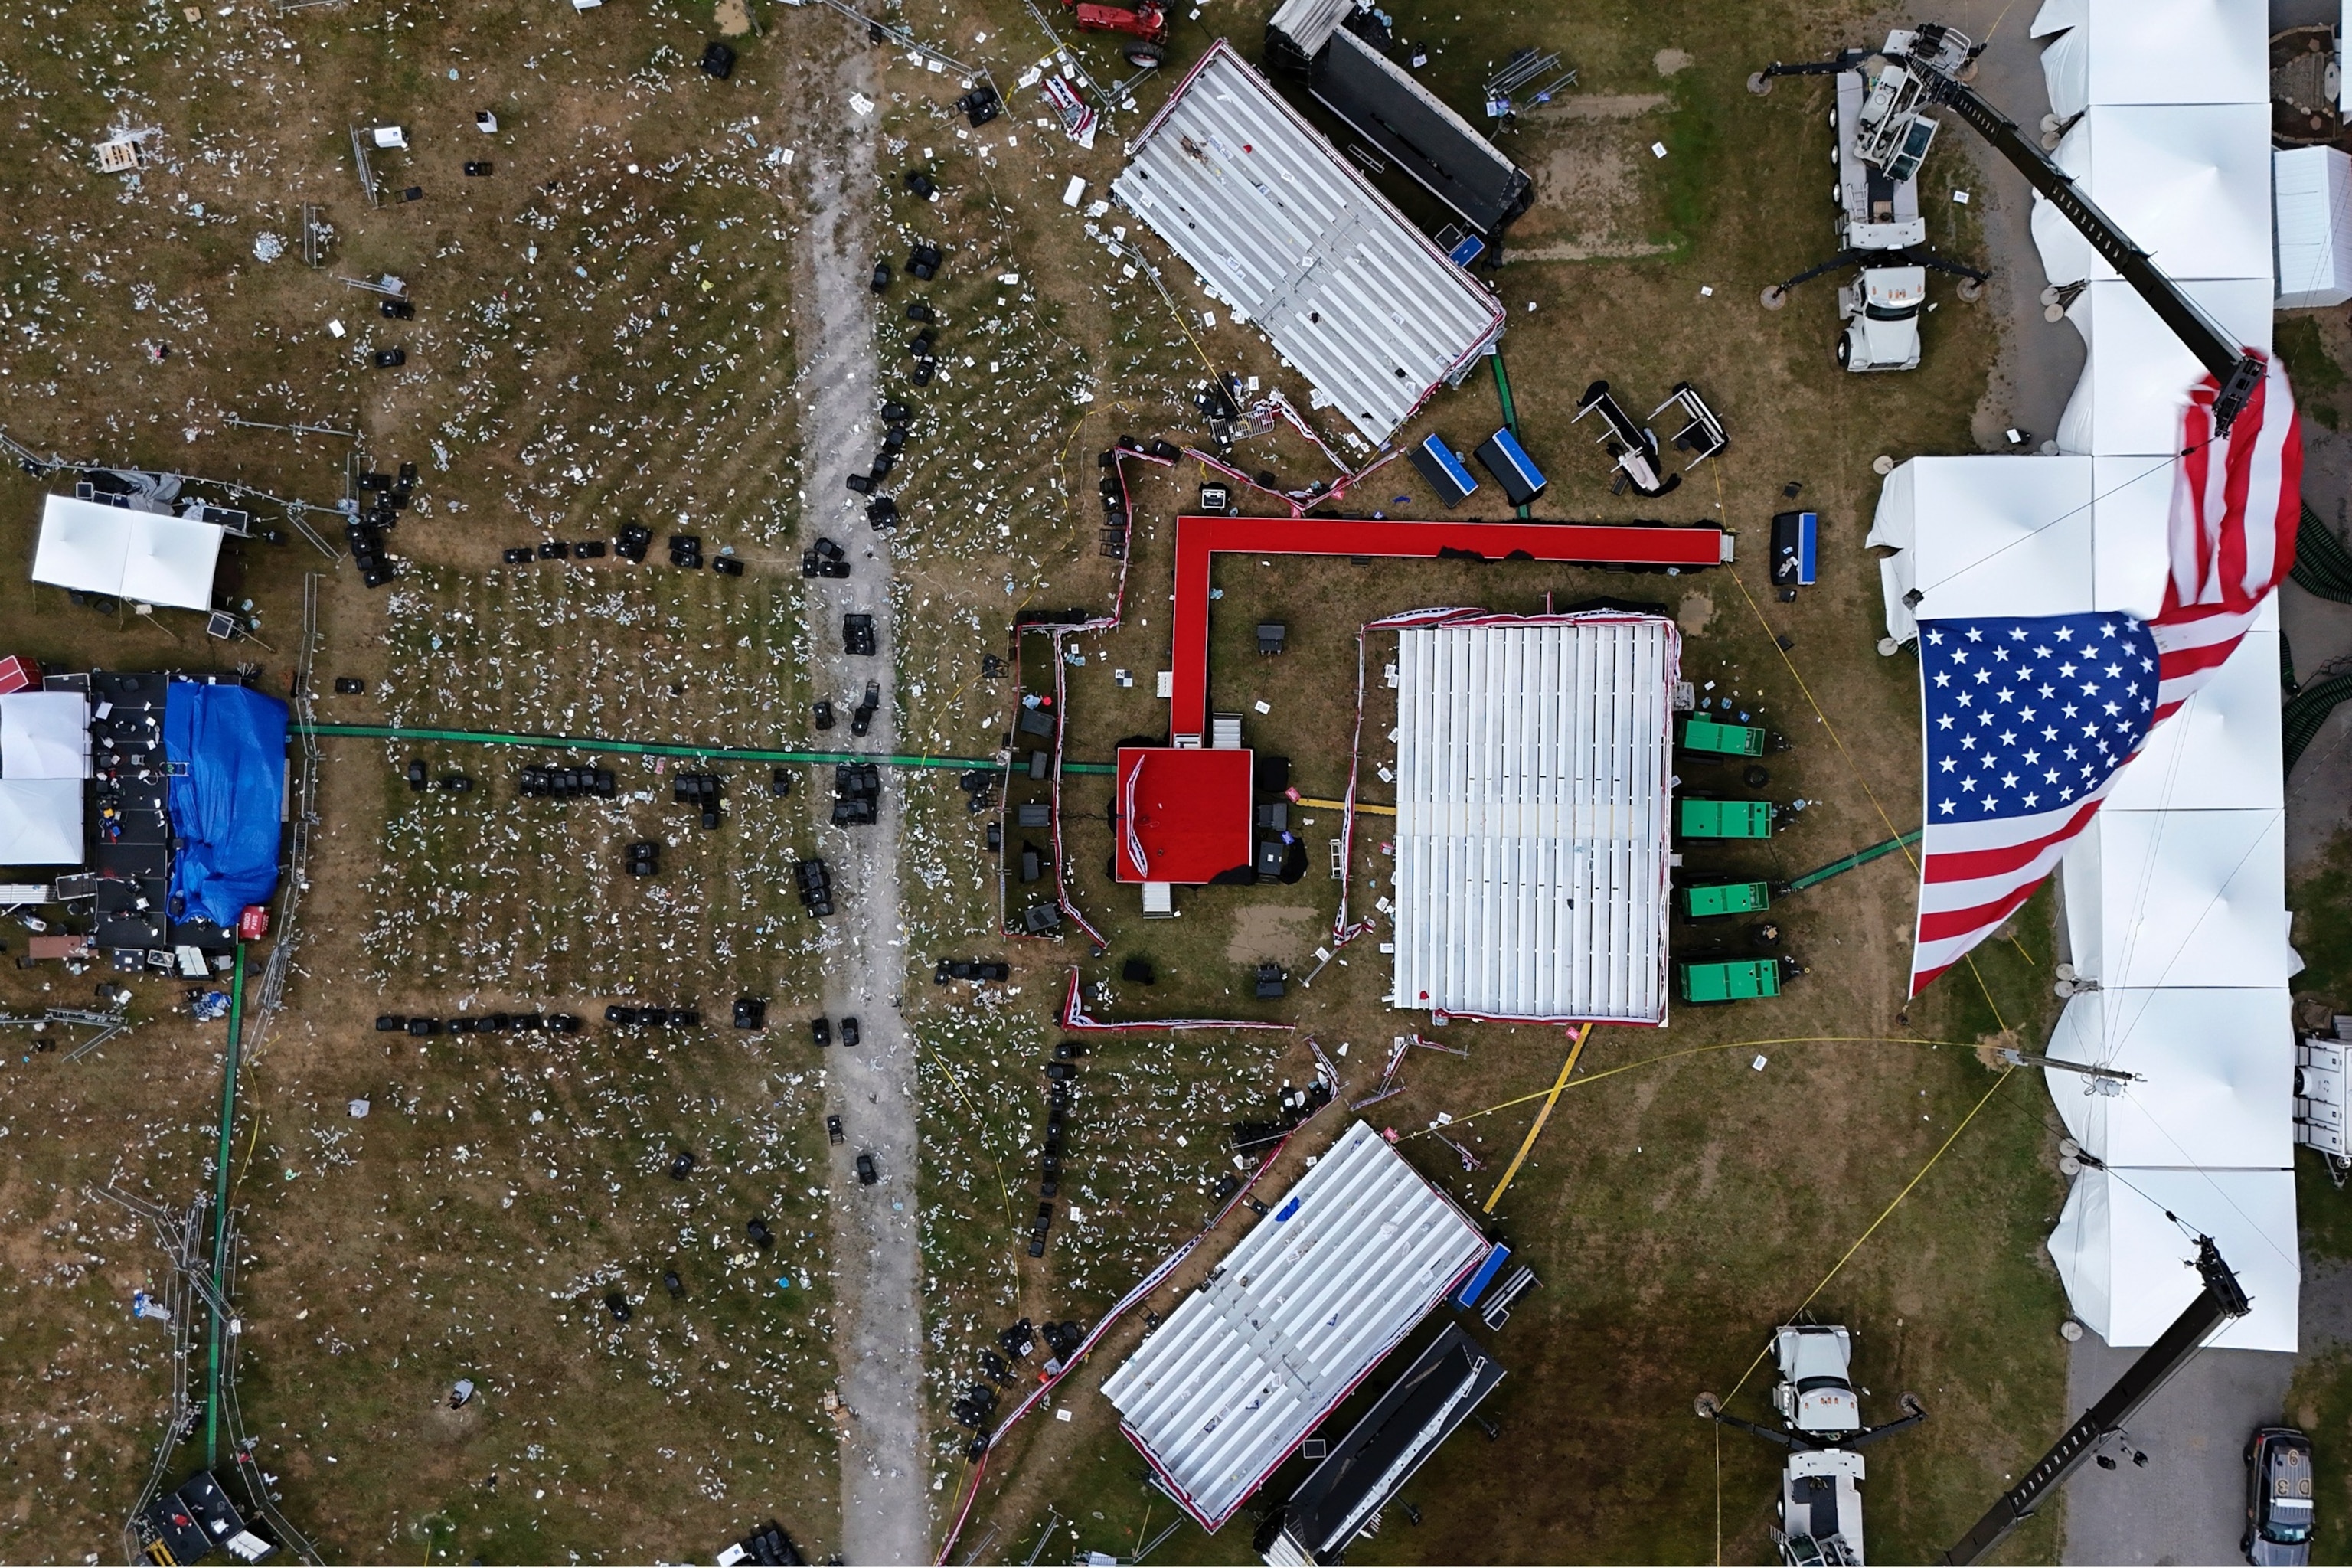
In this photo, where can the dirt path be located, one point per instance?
(885, 1503)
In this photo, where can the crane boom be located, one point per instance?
(2222, 1301)
(2237, 371)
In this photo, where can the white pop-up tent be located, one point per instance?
(43, 735)
(2190, 185)
(2123, 1262)
(2192, 1106)
(144, 556)
(1984, 536)
(2135, 387)
(2155, 51)
(2180, 898)
(40, 822)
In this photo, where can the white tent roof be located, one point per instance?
(43, 735)
(2135, 388)
(2122, 1261)
(2220, 750)
(2190, 185)
(2218, 1071)
(1288, 232)
(2156, 51)
(140, 555)
(1531, 827)
(2180, 897)
(40, 822)
(2312, 189)
(1307, 1305)
(1985, 536)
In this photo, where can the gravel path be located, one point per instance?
(885, 1503)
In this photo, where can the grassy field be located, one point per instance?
(601, 336)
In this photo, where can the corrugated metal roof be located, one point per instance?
(1307, 1303)
(1532, 769)
(1278, 225)
(1309, 24)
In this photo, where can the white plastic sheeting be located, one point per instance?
(2311, 189)
(144, 556)
(1532, 817)
(2126, 1266)
(1290, 235)
(1297, 1314)
(43, 735)
(2174, 896)
(40, 822)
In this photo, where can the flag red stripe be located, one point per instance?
(1969, 865)
(1937, 925)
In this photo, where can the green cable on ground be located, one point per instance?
(1859, 857)
(2323, 565)
(220, 1210)
(2300, 720)
(659, 748)
(1510, 409)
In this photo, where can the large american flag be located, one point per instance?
(2030, 719)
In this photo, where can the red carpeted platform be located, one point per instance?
(1199, 539)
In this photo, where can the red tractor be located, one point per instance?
(1146, 26)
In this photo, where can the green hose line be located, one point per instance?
(220, 1209)
(1859, 857)
(660, 748)
(2322, 565)
(1510, 409)
(2300, 720)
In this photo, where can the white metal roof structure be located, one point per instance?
(144, 556)
(40, 822)
(1290, 235)
(1297, 1314)
(2312, 190)
(1532, 817)
(43, 735)
(2175, 895)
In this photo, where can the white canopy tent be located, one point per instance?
(2180, 898)
(144, 556)
(2135, 388)
(43, 735)
(2123, 1262)
(2220, 750)
(2000, 536)
(2155, 51)
(2190, 185)
(40, 822)
(2194, 1106)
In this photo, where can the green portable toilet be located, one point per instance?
(1734, 982)
(1725, 818)
(1722, 739)
(1726, 898)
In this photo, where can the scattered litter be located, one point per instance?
(1960, 197)
(861, 103)
(1758, 1063)
(1657, 149)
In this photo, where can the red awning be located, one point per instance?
(1184, 815)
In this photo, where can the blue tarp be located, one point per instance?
(229, 745)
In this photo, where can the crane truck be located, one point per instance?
(1923, 70)
(1822, 1428)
